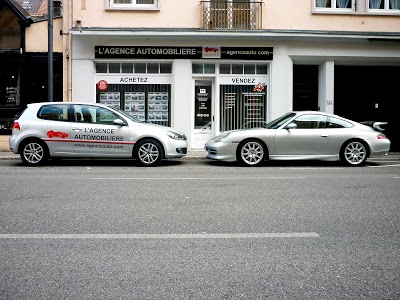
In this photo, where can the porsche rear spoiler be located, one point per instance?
(375, 125)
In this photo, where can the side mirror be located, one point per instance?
(291, 126)
(119, 122)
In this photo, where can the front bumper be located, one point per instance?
(176, 148)
(220, 150)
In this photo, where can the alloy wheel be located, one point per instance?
(33, 153)
(355, 153)
(148, 153)
(252, 153)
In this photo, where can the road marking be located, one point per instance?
(310, 168)
(194, 178)
(385, 166)
(164, 236)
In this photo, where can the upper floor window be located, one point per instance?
(377, 7)
(384, 5)
(241, 69)
(133, 4)
(231, 14)
(334, 4)
(128, 67)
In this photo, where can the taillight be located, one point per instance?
(15, 126)
(381, 136)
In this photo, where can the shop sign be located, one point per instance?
(256, 81)
(203, 52)
(134, 79)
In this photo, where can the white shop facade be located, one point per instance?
(199, 90)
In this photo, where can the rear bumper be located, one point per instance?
(380, 148)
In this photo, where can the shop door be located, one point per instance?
(203, 113)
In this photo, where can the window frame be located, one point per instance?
(385, 10)
(109, 5)
(333, 9)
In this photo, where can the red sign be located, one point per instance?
(102, 85)
(258, 88)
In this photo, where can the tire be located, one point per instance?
(149, 153)
(251, 153)
(34, 152)
(354, 153)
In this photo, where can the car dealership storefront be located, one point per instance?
(227, 90)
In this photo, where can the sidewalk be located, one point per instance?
(5, 152)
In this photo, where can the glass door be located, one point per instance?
(203, 113)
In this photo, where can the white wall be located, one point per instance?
(326, 84)
(182, 95)
(281, 78)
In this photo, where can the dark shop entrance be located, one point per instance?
(369, 93)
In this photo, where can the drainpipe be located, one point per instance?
(50, 52)
(69, 46)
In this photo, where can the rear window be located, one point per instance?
(338, 123)
(56, 112)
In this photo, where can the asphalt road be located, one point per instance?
(196, 229)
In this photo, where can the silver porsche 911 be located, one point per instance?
(301, 136)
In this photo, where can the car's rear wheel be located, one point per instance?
(149, 153)
(354, 153)
(34, 152)
(251, 153)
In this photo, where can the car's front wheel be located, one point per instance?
(354, 153)
(251, 153)
(149, 153)
(34, 152)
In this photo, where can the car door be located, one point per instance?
(95, 133)
(55, 127)
(310, 137)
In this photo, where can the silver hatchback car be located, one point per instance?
(72, 129)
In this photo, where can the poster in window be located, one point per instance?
(135, 105)
(158, 106)
(110, 99)
(202, 112)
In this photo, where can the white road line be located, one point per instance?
(385, 166)
(194, 178)
(309, 168)
(164, 236)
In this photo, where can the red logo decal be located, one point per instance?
(102, 85)
(208, 49)
(258, 88)
(60, 134)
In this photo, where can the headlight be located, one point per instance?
(176, 136)
(222, 136)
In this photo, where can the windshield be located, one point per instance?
(280, 121)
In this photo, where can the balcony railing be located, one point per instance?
(231, 15)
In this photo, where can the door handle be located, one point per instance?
(77, 129)
(324, 135)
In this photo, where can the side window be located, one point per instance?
(94, 115)
(55, 112)
(310, 122)
(338, 123)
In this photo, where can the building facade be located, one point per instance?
(208, 66)
(24, 57)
